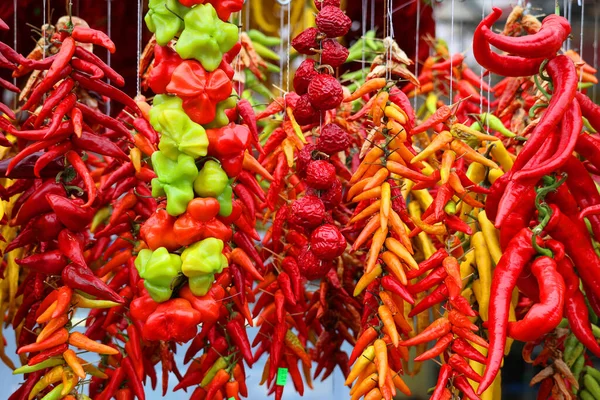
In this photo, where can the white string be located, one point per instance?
(44, 28)
(372, 14)
(417, 37)
(289, 45)
(365, 4)
(281, 45)
(108, 55)
(15, 30)
(582, 5)
(451, 49)
(481, 69)
(569, 13)
(489, 83)
(595, 47)
(139, 44)
(247, 13)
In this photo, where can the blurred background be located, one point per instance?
(452, 20)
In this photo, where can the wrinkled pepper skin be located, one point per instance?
(201, 261)
(175, 180)
(179, 134)
(160, 270)
(172, 320)
(205, 37)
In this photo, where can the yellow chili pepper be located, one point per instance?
(396, 114)
(378, 106)
(459, 130)
(483, 260)
(297, 129)
(55, 375)
(448, 159)
(466, 266)
(438, 143)
(361, 363)
(83, 302)
(398, 248)
(490, 233)
(69, 380)
(372, 156)
(135, 155)
(376, 246)
(386, 204)
(463, 150)
(495, 174)
(396, 129)
(366, 279)
(501, 155)
(288, 149)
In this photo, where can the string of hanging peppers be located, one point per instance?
(329, 215)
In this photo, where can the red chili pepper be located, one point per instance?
(578, 182)
(463, 385)
(88, 67)
(516, 256)
(504, 65)
(437, 296)
(390, 283)
(441, 115)
(442, 381)
(48, 353)
(84, 55)
(434, 278)
(82, 170)
(93, 36)
(438, 348)
(94, 116)
(464, 349)
(133, 381)
(80, 277)
(117, 377)
(437, 329)
(545, 43)
(105, 89)
(50, 263)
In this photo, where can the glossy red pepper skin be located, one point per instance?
(36, 203)
(464, 349)
(575, 308)
(110, 73)
(438, 295)
(82, 278)
(544, 316)
(519, 218)
(70, 212)
(578, 246)
(518, 252)
(442, 381)
(582, 187)
(545, 43)
(93, 36)
(228, 145)
(45, 87)
(238, 334)
(105, 89)
(500, 64)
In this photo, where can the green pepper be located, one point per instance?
(160, 270)
(221, 363)
(221, 118)
(26, 369)
(211, 180)
(178, 132)
(201, 261)
(259, 37)
(175, 179)
(225, 200)
(164, 19)
(205, 37)
(54, 394)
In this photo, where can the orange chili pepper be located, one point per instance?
(71, 359)
(366, 280)
(135, 155)
(47, 315)
(365, 386)
(239, 257)
(397, 248)
(448, 159)
(377, 179)
(252, 165)
(386, 204)
(369, 86)
(395, 266)
(367, 212)
(368, 194)
(378, 107)
(381, 360)
(438, 143)
(388, 322)
(376, 246)
(54, 325)
(399, 383)
(57, 338)
(373, 155)
(398, 227)
(82, 342)
(464, 150)
(63, 301)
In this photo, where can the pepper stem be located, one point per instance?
(541, 250)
